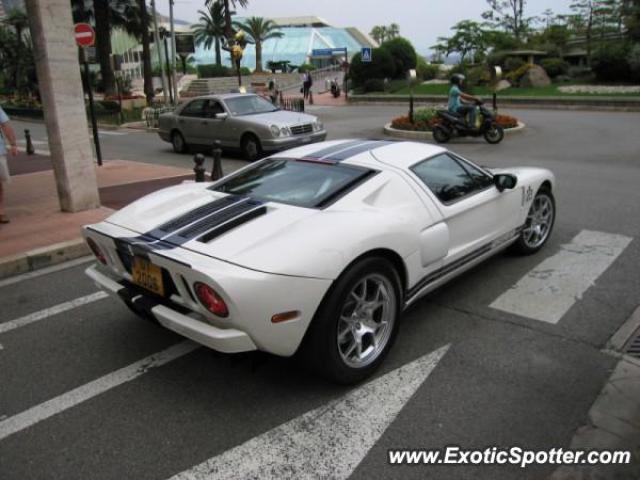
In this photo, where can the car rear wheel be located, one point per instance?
(177, 140)
(251, 148)
(357, 322)
(539, 223)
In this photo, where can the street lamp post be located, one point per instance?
(164, 34)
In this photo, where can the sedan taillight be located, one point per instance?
(210, 299)
(97, 251)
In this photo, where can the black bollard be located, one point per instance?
(199, 168)
(216, 171)
(30, 149)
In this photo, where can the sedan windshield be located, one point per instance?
(299, 183)
(248, 105)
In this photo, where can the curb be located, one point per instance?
(43, 257)
(414, 135)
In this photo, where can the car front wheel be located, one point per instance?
(539, 223)
(357, 322)
(251, 148)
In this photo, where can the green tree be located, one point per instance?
(510, 16)
(377, 34)
(210, 29)
(17, 19)
(393, 30)
(631, 13)
(106, 16)
(402, 53)
(382, 66)
(583, 11)
(468, 38)
(259, 30)
(227, 12)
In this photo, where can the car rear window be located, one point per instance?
(299, 183)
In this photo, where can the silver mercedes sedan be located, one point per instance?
(238, 121)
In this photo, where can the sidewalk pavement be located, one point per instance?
(614, 418)
(40, 235)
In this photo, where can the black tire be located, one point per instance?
(441, 134)
(321, 348)
(251, 147)
(494, 134)
(178, 143)
(524, 246)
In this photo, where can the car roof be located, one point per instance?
(224, 96)
(373, 153)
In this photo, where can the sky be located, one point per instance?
(421, 21)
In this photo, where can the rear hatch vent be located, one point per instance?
(632, 348)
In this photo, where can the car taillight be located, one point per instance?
(210, 299)
(96, 251)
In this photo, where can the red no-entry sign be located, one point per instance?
(84, 34)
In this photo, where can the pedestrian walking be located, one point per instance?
(7, 136)
(307, 83)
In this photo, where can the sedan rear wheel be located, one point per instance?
(357, 322)
(178, 143)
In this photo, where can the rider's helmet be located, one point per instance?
(457, 79)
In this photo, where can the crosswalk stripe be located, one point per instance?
(328, 442)
(548, 291)
(48, 312)
(85, 392)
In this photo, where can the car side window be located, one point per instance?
(194, 109)
(481, 178)
(445, 177)
(212, 108)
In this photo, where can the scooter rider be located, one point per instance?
(456, 106)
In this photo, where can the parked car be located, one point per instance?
(247, 122)
(318, 249)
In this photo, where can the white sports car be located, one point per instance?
(317, 249)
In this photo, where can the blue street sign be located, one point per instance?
(327, 52)
(366, 54)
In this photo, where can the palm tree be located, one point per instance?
(228, 29)
(17, 19)
(384, 33)
(260, 30)
(376, 33)
(393, 30)
(106, 15)
(211, 28)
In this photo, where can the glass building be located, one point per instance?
(301, 36)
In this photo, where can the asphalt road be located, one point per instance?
(505, 379)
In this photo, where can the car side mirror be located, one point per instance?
(221, 116)
(504, 181)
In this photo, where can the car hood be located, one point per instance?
(279, 117)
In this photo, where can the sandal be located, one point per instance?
(4, 219)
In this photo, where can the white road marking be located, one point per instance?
(45, 271)
(548, 291)
(109, 132)
(74, 397)
(328, 442)
(48, 312)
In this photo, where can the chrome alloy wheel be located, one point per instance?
(539, 221)
(366, 321)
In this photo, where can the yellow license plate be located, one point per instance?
(147, 275)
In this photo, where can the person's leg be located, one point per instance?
(471, 111)
(3, 217)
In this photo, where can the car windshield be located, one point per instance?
(299, 183)
(249, 105)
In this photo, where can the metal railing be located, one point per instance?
(150, 115)
(293, 104)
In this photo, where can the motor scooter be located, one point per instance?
(335, 88)
(456, 125)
